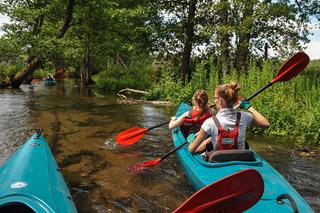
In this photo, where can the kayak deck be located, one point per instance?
(31, 181)
(201, 173)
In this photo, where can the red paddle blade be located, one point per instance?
(234, 193)
(219, 204)
(292, 67)
(136, 168)
(130, 136)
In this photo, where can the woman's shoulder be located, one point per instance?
(209, 120)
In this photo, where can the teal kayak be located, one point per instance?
(49, 82)
(31, 181)
(278, 195)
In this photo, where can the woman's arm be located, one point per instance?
(258, 119)
(198, 145)
(203, 146)
(175, 122)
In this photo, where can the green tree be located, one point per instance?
(33, 31)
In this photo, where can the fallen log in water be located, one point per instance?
(138, 94)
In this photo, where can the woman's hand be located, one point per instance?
(244, 104)
(173, 118)
(198, 145)
(175, 122)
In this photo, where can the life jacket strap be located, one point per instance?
(222, 133)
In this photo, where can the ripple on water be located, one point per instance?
(14, 122)
(304, 176)
(110, 144)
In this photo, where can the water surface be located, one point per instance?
(80, 125)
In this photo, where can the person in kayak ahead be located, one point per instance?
(49, 77)
(228, 127)
(191, 121)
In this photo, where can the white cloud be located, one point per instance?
(3, 19)
(313, 48)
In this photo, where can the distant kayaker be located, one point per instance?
(228, 127)
(49, 77)
(191, 121)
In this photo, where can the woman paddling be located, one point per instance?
(191, 121)
(228, 127)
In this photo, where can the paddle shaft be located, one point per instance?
(173, 151)
(259, 91)
(255, 94)
(153, 127)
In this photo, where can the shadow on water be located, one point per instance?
(80, 125)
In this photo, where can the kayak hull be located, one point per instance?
(49, 82)
(30, 179)
(201, 173)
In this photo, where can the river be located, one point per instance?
(80, 125)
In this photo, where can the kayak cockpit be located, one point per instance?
(16, 207)
(229, 158)
(230, 155)
(25, 203)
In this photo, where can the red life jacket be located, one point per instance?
(193, 123)
(222, 133)
(197, 117)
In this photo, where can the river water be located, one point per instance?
(80, 125)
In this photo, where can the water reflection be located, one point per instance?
(80, 126)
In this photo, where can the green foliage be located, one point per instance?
(40, 73)
(171, 89)
(7, 71)
(136, 75)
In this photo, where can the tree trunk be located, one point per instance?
(224, 37)
(244, 37)
(34, 62)
(185, 66)
(265, 55)
(67, 18)
(85, 70)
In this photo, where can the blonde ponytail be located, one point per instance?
(229, 93)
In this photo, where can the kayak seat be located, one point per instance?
(16, 208)
(230, 155)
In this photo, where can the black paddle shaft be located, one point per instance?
(153, 127)
(174, 150)
(259, 91)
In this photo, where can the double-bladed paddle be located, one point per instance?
(130, 136)
(290, 69)
(234, 193)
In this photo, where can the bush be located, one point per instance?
(136, 75)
